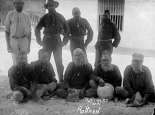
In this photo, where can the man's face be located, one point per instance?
(76, 15)
(50, 7)
(19, 6)
(137, 64)
(106, 16)
(78, 57)
(105, 62)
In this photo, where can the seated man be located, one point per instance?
(138, 86)
(106, 73)
(45, 82)
(20, 79)
(77, 76)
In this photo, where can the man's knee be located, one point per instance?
(62, 93)
(120, 92)
(52, 86)
(18, 96)
(92, 92)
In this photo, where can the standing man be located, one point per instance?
(54, 24)
(79, 28)
(18, 31)
(107, 32)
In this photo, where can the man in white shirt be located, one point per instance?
(18, 31)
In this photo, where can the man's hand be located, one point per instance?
(101, 82)
(9, 49)
(40, 43)
(85, 46)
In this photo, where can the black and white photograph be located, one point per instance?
(77, 57)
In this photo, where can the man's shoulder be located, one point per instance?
(145, 68)
(129, 67)
(60, 16)
(11, 13)
(115, 66)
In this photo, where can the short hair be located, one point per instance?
(137, 56)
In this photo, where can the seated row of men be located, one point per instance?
(37, 80)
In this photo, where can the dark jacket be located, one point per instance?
(20, 76)
(134, 82)
(43, 72)
(78, 76)
(113, 76)
(109, 31)
(54, 24)
(78, 29)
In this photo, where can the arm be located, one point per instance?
(66, 32)
(7, 31)
(89, 34)
(127, 82)
(118, 77)
(68, 74)
(12, 81)
(38, 29)
(149, 87)
(29, 35)
(116, 37)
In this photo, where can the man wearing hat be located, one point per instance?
(54, 24)
(18, 31)
(108, 37)
(137, 84)
(79, 28)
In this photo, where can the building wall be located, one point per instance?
(139, 20)
(139, 24)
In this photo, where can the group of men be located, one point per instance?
(37, 80)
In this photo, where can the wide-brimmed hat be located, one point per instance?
(52, 3)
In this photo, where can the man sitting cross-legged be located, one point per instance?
(76, 78)
(107, 78)
(138, 85)
(45, 82)
(20, 79)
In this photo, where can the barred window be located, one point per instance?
(116, 8)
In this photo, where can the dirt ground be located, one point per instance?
(62, 107)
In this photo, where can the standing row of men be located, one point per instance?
(18, 33)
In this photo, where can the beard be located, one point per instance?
(106, 67)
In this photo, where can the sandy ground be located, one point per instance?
(58, 106)
(61, 107)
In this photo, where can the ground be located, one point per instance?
(59, 106)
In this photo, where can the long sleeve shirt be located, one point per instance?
(138, 82)
(78, 76)
(79, 28)
(53, 24)
(112, 76)
(43, 72)
(108, 31)
(20, 76)
(18, 24)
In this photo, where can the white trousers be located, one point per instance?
(19, 48)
